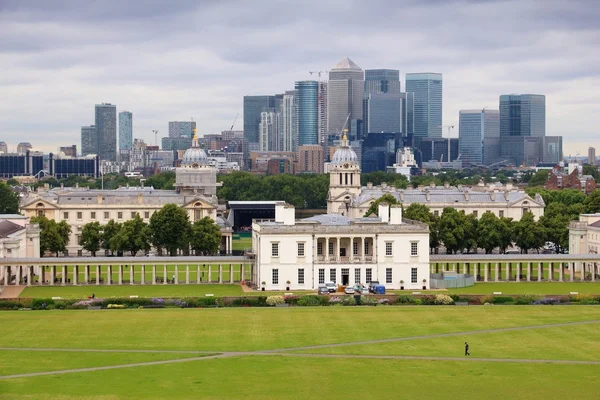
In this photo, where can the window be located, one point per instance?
(197, 215)
(79, 215)
(93, 215)
(355, 248)
(501, 213)
(119, 215)
(413, 275)
(414, 248)
(475, 213)
(332, 275)
(321, 275)
(301, 249)
(330, 248)
(147, 214)
(275, 277)
(367, 248)
(106, 215)
(356, 276)
(274, 249)
(320, 248)
(388, 275)
(436, 213)
(79, 253)
(301, 276)
(133, 214)
(78, 239)
(66, 215)
(369, 273)
(388, 248)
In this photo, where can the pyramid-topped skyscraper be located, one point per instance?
(344, 96)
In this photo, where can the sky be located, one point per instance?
(179, 59)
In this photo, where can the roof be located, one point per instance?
(7, 228)
(346, 63)
(595, 224)
(12, 216)
(329, 219)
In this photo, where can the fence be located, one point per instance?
(451, 280)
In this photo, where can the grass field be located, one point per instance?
(504, 364)
(530, 288)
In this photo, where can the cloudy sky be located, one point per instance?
(177, 59)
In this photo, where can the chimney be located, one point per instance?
(384, 212)
(285, 213)
(493, 195)
(396, 214)
(509, 186)
(77, 185)
(140, 198)
(369, 185)
(446, 185)
(402, 196)
(466, 192)
(99, 199)
(506, 195)
(427, 195)
(432, 185)
(383, 185)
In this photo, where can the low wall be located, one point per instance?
(439, 281)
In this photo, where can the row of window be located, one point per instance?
(389, 249)
(79, 215)
(275, 276)
(436, 213)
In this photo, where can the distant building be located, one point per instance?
(310, 159)
(591, 155)
(288, 123)
(125, 130)
(558, 178)
(178, 129)
(69, 151)
(344, 95)
(259, 159)
(3, 147)
(278, 166)
(253, 107)
(405, 162)
(322, 112)
(437, 149)
(106, 131)
(18, 239)
(15, 164)
(89, 141)
(176, 143)
(584, 236)
(380, 105)
(378, 151)
(479, 134)
(24, 147)
(268, 131)
(427, 89)
(63, 167)
(306, 115)
(408, 118)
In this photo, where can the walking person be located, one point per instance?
(467, 349)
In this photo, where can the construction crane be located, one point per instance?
(449, 128)
(235, 119)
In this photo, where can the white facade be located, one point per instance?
(334, 248)
(584, 235)
(18, 239)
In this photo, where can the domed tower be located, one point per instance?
(196, 176)
(344, 179)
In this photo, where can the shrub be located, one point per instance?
(82, 304)
(312, 300)
(244, 302)
(275, 300)
(428, 300)
(10, 305)
(333, 300)
(291, 300)
(405, 300)
(488, 299)
(205, 302)
(116, 306)
(418, 302)
(383, 301)
(368, 300)
(502, 300)
(584, 299)
(36, 304)
(455, 297)
(443, 299)
(526, 299)
(348, 301)
(547, 301)
(176, 303)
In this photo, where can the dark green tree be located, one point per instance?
(420, 212)
(205, 238)
(470, 238)
(170, 228)
(506, 230)
(9, 200)
(528, 233)
(54, 237)
(489, 230)
(452, 229)
(108, 232)
(133, 236)
(539, 178)
(374, 208)
(592, 202)
(91, 237)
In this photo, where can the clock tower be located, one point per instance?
(344, 179)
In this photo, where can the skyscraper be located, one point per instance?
(381, 98)
(306, 112)
(253, 106)
(287, 122)
(592, 155)
(408, 117)
(179, 129)
(479, 133)
(125, 130)
(344, 96)
(106, 131)
(322, 112)
(427, 89)
(382, 81)
(268, 130)
(89, 141)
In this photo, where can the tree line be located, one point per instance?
(169, 231)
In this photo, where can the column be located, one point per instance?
(465, 269)
(154, 274)
(551, 271)
(230, 273)
(338, 248)
(176, 273)
(220, 273)
(485, 271)
(109, 274)
(29, 275)
(6, 278)
(187, 274)
(87, 274)
(76, 275)
(198, 273)
(18, 275)
(362, 249)
(242, 275)
(42, 274)
(52, 274)
(519, 269)
(97, 274)
(165, 279)
(508, 271)
(561, 272)
(209, 279)
(593, 273)
(131, 275)
(120, 274)
(540, 272)
(326, 250)
(143, 281)
(572, 271)
(63, 276)
(528, 272)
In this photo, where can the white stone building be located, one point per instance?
(334, 248)
(196, 188)
(584, 235)
(18, 239)
(347, 197)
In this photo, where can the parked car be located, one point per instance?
(372, 286)
(322, 290)
(349, 290)
(331, 286)
(360, 289)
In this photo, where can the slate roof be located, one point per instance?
(346, 63)
(7, 228)
(595, 224)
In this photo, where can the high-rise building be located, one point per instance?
(322, 112)
(408, 117)
(436, 149)
(89, 141)
(23, 147)
(253, 106)
(427, 89)
(287, 122)
(344, 96)
(106, 131)
(179, 129)
(522, 128)
(69, 151)
(592, 156)
(479, 134)
(382, 81)
(268, 129)
(310, 159)
(383, 112)
(306, 114)
(125, 130)
(3, 147)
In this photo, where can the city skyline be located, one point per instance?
(61, 67)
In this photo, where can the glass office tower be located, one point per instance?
(306, 112)
(125, 130)
(427, 89)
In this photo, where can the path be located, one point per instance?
(281, 352)
(11, 292)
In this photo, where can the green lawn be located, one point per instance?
(546, 288)
(261, 377)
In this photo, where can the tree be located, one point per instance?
(108, 232)
(91, 237)
(470, 237)
(489, 230)
(452, 230)
(528, 233)
(420, 212)
(374, 208)
(506, 230)
(136, 236)
(205, 237)
(9, 200)
(592, 202)
(170, 228)
(539, 178)
(12, 182)
(52, 235)
(555, 222)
